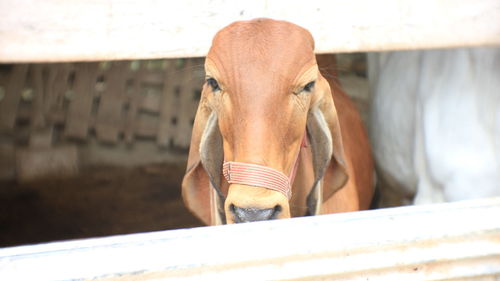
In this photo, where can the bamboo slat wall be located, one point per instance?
(46, 104)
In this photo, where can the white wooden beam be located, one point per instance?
(87, 30)
(437, 242)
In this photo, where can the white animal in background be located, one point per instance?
(435, 122)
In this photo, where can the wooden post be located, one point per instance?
(10, 102)
(110, 113)
(169, 107)
(79, 111)
(453, 241)
(133, 108)
(54, 30)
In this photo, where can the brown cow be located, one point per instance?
(266, 106)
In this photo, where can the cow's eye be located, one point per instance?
(213, 84)
(309, 86)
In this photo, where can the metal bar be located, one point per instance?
(83, 30)
(436, 242)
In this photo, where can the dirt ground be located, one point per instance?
(101, 201)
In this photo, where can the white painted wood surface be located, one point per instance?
(447, 241)
(85, 30)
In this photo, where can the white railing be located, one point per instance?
(81, 30)
(436, 242)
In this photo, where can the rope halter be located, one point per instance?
(257, 175)
(262, 176)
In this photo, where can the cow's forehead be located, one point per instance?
(262, 45)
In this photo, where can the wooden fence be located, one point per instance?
(82, 30)
(454, 241)
(115, 101)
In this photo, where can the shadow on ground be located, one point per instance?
(101, 201)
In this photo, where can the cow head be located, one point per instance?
(263, 93)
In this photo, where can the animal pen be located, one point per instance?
(137, 100)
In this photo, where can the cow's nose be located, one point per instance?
(254, 214)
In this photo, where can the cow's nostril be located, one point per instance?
(232, 209)
(277, 209)
(254, 214)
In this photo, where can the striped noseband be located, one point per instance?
(262, 176)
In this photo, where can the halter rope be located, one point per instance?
(262, 176)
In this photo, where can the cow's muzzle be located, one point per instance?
(254, 214)
(246, 203)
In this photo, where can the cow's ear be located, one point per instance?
(204, 165)
(325, 136)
